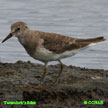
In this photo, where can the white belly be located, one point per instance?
(46, 55)
(43, 55)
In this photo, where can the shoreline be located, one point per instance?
(88, 84)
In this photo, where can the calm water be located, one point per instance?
(78, 18)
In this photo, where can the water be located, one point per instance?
(77, 18)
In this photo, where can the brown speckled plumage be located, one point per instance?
(60, 43)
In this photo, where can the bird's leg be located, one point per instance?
(61, 70)
(44, 74)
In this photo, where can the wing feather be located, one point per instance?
(59, 43)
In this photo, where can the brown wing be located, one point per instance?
(59, 43)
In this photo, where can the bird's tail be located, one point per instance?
(95, 40)
(92, 40)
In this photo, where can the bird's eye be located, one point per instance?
(17, 29)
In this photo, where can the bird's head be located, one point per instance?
(16, 30)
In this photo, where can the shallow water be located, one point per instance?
(78, 18)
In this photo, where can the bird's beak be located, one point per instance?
(9, 36)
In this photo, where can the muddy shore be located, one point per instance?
(19, 81)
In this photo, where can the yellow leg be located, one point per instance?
(61, 70)
(44, 74)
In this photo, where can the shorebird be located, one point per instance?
(46, 47)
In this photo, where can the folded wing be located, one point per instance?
(59, 43)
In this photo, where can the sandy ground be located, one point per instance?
(19, 81)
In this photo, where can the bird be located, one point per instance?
(47, 47)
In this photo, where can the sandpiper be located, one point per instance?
(46, 47)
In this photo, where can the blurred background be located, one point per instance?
(76, 18)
